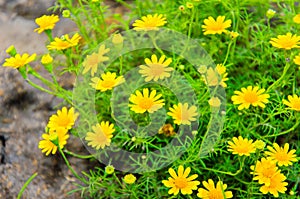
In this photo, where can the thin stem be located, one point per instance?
(228, 51)
(26, 184)
(69, 166)
(286, 68)
(78, 155)
(39, 87)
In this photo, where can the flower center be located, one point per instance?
(242, 148)
(100, 138)
(181, 182)
(146, 103)
(215, 194)
(296, 105)
(250, 97)
(288, 43)
(157, 69)
(281, 156)
(64, 121)
(108, 83)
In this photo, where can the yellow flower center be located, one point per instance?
(242, 148)
(215, 194)
(146, 103)
(100, 138)
(108, 83)
(92, 60)
(64, 121)
(287, 43)
(296, 105)
(281, 156)
(250, 97)
(157, 69)
(181, 182)
(217, 26)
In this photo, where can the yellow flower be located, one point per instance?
(49, 145)
(149, 22)
(287, 41)
(264, 170)
(167, 130)
(276, 185)
(108, 82)
(293, 102)
(217, 192)
(46, 59)
(214, 102)
(181, 8)
(217, 76)
(64, 42)
(11, 50)
(250, 96)
(218, 26)
(241, 146)
(143, 102)
(63, 119)
(156, 69)
(109, 169)
(270, 13)
(189, 5)
(19, 60)
(46, 22)
(296, 19)
(259, 144)
(66, 13)
(233, 34)
(181, 182)
(91, 61)
(101, 135)
(281, 155)
(297, 60)
(129, 179)
(117, 39)
(181, 114)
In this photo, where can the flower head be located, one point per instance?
(149, 22)
(217, 76)
(11, 50)
(46, 59)
(218, 26)
(91, 61)
(281, 155)
(142, 102)
(101, 135)
(156, 69)
(64, 42)
(241, 146)
(66, 13)
(293, 102)
(297, 60)
(51, 141)
(233, 34)
(167, 129)
(182, 114)
(296, 18)
(129, 179)
(63, 119)
(276, 185)
(108, 82)
(19, 60)
(181, 182)
(109, 169)
(217, 192)
(286, 42)
(46, 23)
(270, 13)
(250, 96)
(259, 144)
(264, 170)
(117, 39)
(214, 102)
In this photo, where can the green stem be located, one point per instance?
(39, 87)
(69, 166)
(155, 44)
(285, 132)
(26, 184)
(77, 155)
(286, 68)
(227, 53)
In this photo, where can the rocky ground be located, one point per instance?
(24, 111)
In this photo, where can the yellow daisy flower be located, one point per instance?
(181, 114)
(149, 22)
(101, 135)
(263, 170)
(19, 60)
(297, 60)
(142, 102)
(156, 69)
(233, 34)
(51, 141)
(250, 96)
(108, 82)
(276, 185)
(217, 192)
(282, 155)
(286, 42)
(46, 23)
(63, 119)
(167, 130)
(270, 13)
(64, 42)
(129, 179)
(109, 169)
(181, 182)
(259, 144)
(241, 146)
(46, 59)
(218, 26)
(217, 76)
(293, 102)
(214, 102)
(296, 19)
(91, 61)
